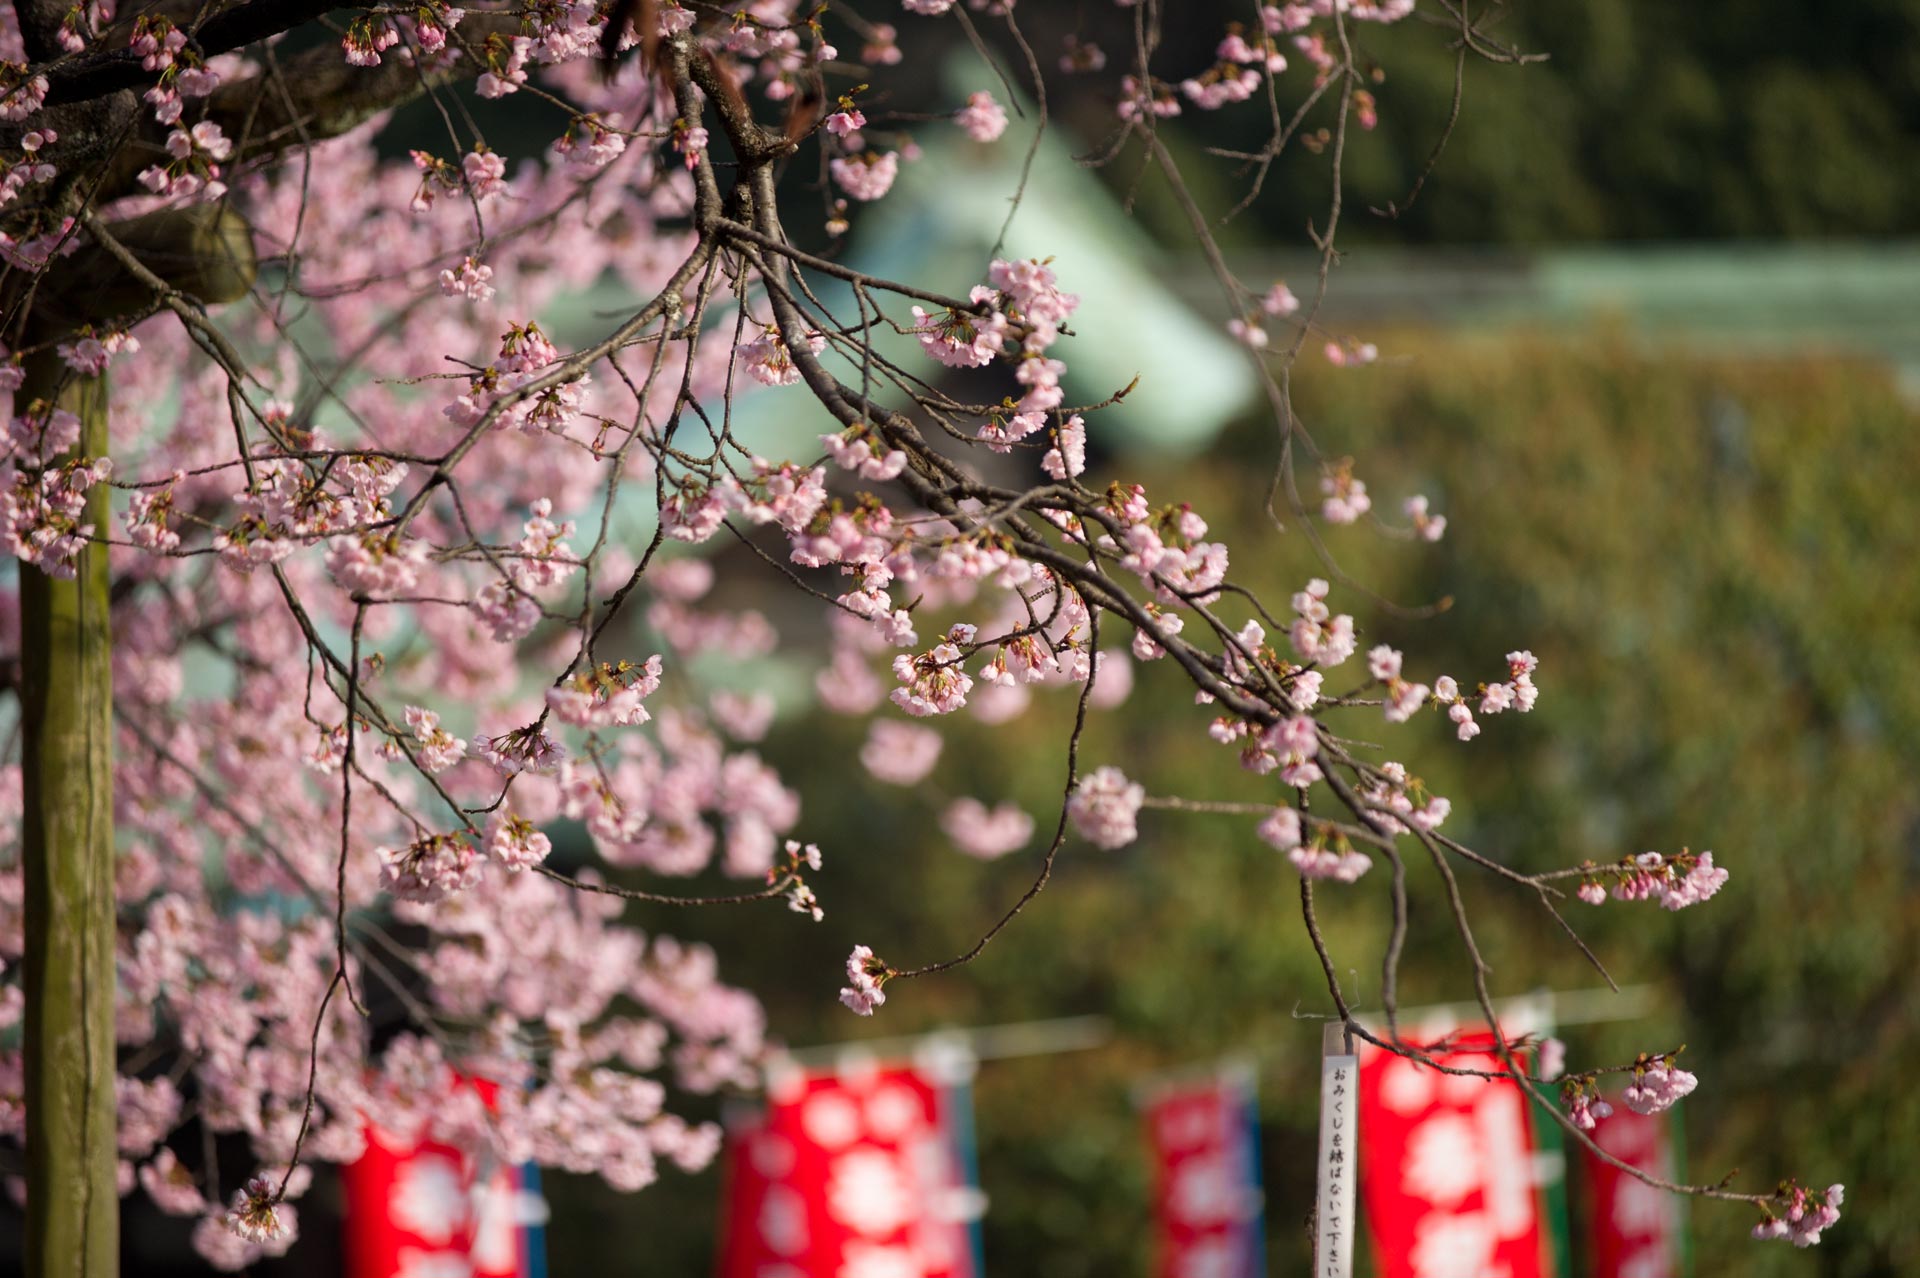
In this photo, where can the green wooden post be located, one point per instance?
(66, 697)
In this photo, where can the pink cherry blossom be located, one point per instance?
(429, 868)
(1317, 635)
(690, 141)
(1338, 862)
(485, 173)
(865, 177)
(767, 361)
(1068, 456)
(1677, 881)
(376, 566)
(1346, 497)
(900, 753)
(515, 842)
(471, 280)
(22, 97)
(1425, 526)
(866, 973)
(1587, 1110)
(986, 833)
(962, 339)
(1105, 806)
(256, 1215)
(436, 748)
(982, 118)
(1281, 831)
(1279, 300)
(1248, 333)
(1658, 1088)
(863, 454)
(933, 682)
(1803, 1214)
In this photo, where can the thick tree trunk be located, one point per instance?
(73, 1207)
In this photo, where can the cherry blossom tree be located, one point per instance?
(340, 581)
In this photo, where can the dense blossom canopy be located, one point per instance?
(376, 565)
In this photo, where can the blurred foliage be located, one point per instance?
(1648, 120)
(1713, 559)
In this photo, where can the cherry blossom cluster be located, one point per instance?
(256, 1216)
(1803, 1214)
(515, 842)
(434, 747)
(430, 868)
(1166, 546)
(43, 509)
(1517, 693)
(861, 452)
(90, 352)
(796, 859)
(22, 93)
(1105, 808)
(983, 119)
(1248, 59)
(193, 171)
(609, 695)
(900, 753)
(376, 566)
(163, 47)
(986, 833)
(1318, 635)
(1346, 497)
(1676, 881)
(963, 338)
(1017, 318)
(866, 974)
(934, 682)
(1350, 353)
(766, 361)
(1426, 526)
(1318, 849)
(1399, 802)
(440, 703)
(1584, 1104)
(30, 168)
(1658, 1084)
(1404, 698)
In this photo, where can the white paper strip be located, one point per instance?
(1339, 1126)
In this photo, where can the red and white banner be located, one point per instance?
(854, 1176)
(1636, 1228)
(1446, 1169)
(1206, 1193)
(426, 1211)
